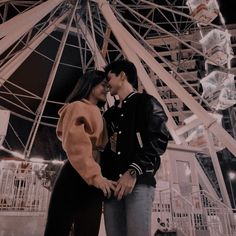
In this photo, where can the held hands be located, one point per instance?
(125, 184)
(105, 185)
(120, 188)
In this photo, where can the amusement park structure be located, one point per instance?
(184, 56)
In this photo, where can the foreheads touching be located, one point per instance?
(124, 68)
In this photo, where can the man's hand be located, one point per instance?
(125, 185)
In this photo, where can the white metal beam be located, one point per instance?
(182, 130)
(100, 61)
(13, 29)
(13, 64)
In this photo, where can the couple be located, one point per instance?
(132, 137)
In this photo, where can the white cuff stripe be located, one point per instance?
(136, 167)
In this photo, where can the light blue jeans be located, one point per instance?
(131, 216)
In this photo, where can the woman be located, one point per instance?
(77, 194)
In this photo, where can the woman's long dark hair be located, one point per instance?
(85, 85)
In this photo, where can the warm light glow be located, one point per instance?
(232, 175)
(57, 162)
(37, 159)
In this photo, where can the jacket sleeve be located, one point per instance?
(152, 137)
(78, 129)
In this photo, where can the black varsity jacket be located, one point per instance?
(141, 138)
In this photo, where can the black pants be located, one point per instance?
(73, 201)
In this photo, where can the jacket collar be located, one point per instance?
(129, 96)
(117, 102)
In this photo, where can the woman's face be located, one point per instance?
(99, 92)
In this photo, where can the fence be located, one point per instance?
(23, 187)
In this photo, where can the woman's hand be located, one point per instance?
(105, 185)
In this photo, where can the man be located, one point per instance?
(137, 138)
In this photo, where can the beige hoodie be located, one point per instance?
(81, 131)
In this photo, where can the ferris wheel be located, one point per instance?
(181, 50)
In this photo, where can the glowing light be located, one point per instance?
(232, 175)
(37, 159)
(57, 162)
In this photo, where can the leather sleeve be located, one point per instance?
(154, 137)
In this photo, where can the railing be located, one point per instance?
(200, 214)
(173, 212)
(22, 190)
(220, 219)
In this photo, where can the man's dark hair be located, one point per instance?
(127, 67)
(85, 85)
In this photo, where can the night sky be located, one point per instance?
(227, 8)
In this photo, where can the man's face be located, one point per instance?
(114, 82)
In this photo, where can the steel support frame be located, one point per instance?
(13, 29)
(14, 63)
